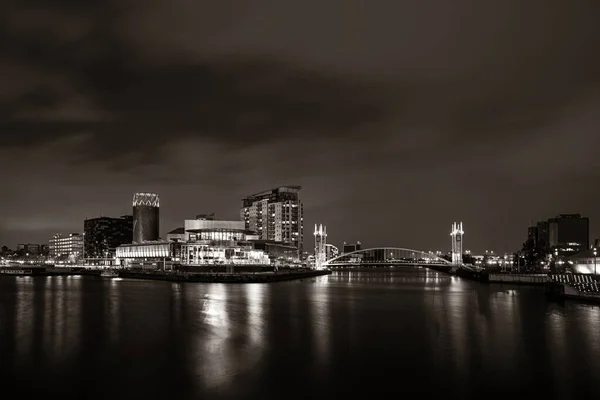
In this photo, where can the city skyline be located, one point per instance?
(394, 129)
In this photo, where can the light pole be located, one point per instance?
(595, 253)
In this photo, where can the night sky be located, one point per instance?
(397, 117)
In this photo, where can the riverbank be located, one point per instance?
(240, 277)
(46, 271)
(561, 291)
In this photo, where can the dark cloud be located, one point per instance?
(420, 112)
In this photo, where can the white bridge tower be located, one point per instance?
(320, 246)
(457, 242)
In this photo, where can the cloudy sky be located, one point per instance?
(397, 117)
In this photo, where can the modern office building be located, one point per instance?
(145, 217)
(104, 234)
(564, 235)
(542, 236)
(532, 234)
(276, 215)
(569, 233)
(66, 246)
(29, 248)
(350, 247)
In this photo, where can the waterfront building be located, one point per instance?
(149, 255)
(569, 233)
(351, 247)
(29, 248)
(214, 242)
(104, 234)
(176, 235)
(564, 235)
(585, 262)
(201, 242)
(331, 251)
(278, 253)
(66, 246)
(275, 215)
(145, 217)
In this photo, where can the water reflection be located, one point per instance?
(213, 359)
(321, 322)
(357, 333)
(112, 312)
(255, 299)
(24, 317)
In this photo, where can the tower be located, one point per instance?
(320, 246)
(145, 217)
(457, 242)
(276, 214)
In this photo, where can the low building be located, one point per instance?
(149, 255)
(279, 253)
(29, 248)
(585, 262)
(215, 242)
(331, 251)
(66, 246)
(177, 235)
(201, 242)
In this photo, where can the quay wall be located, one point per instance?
(528, 279)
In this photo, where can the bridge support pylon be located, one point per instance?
(457, 242)
(320, 246)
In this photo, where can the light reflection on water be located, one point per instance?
(258, 340)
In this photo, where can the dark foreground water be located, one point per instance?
(376, 334)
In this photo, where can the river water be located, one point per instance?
(381, 334)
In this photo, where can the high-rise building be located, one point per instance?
(70, 245)
(104, 234)
(145, 217)
(569, 233)
(276, 214)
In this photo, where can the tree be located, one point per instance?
(468, 259)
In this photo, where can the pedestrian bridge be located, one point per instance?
(386, 256)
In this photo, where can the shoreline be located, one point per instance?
(199, 277)
(240, 277)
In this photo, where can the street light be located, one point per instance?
(595, 252)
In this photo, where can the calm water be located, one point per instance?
(374, 333)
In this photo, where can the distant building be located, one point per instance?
(275, 215)
(30, 248)
(350, 247)
(176, 235)
(104, 234)
(532, 234)
(278, 253)
(69, 245)
(145, 217)
(585, 262)
(331, 251)
(569, 233)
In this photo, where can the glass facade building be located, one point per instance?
(104, 234)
